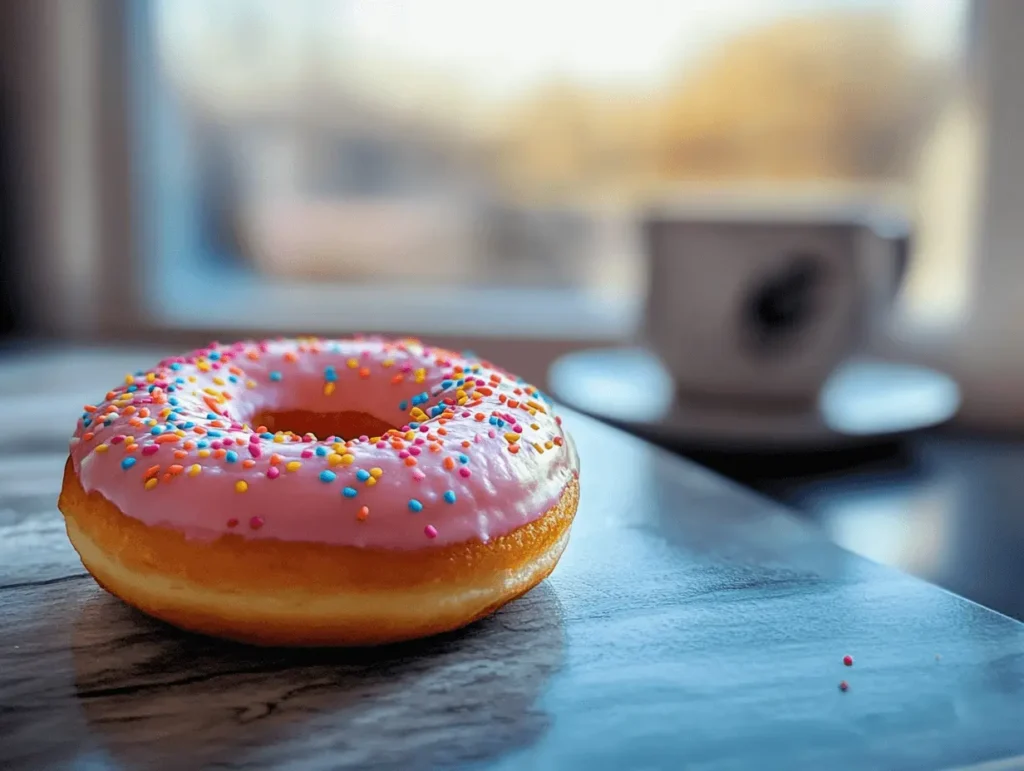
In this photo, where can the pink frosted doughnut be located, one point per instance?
(183, 500)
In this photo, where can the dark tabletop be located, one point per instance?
(690, 623)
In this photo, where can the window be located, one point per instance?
(456, 167)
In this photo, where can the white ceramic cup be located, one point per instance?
(761, 300)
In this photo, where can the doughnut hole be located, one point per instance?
(347, 424)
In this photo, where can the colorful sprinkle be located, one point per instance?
(327, 476)
(241, 486)
(415, 506)
(450, 496)
(127, 463)
(350, 492)
(430, 531)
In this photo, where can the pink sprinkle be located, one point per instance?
(236, 426)
(407, 367)
(430, 531)
(264, 347)
(308, 438)
(415, 450)
(424, 429)
(233, 522)
(364, 438)
(403, 454)
(518, 429)
(255, 451)
(254, 439)
(381, 445)
(307, 453)
(227, 441)
(476, 438)
(216, 444)
(466, 413)
(492, 433)
(273, 472)
(366, 354)
(465, 472)
(418, 475)
(404, 428)
(256, 523)
(216, 365)
(150, 449)
(419, 440)
(117, 439)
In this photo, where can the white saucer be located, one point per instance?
(864, 401)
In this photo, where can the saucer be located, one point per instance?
(864, 401)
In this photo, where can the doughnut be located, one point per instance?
(315, 492)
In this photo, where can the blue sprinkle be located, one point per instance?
(214, 434)
(132, 389)
(173, 401)
(156, 430)
(492, 420)
(266, 435)
(414, 424)
(275, 376)
(176, 366)
(415, 400)
(463, 458)
(446, 384)
(350, 492)
(211, 415)
(403, 406)
(327, 476)
(415, 506)
(213, 356)
(231, 456)
(362, 475)
(127, 463)
(460, 382)
(321, 451)
(233, 378)
(171, 389)
(189, 424)
(150, 388)
(202, 443)
(329, 374)
(450, 496)
(179, 380)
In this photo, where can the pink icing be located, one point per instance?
(468, 482)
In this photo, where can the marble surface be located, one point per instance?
(690, 623)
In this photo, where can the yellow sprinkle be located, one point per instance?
(241, 486)
(338, 446)
(191, 378)
(210, 390)
(385, 364)
(371, 482)
(538, 447)
(128, 380)
(250, 383)
(179, 432)
(150, 377)
(279, 438)
(548, 444)
(511, 438)
(376, 473)
(347, 460)
(535, 427)
(410, 435)
(333, 459)
(204, 453)
(151, 483)
(202, 365)
(219, 380)
(537, 407)
(328, 389)
(293, 465)
(102, 448)
(353, 363)
(194, 469)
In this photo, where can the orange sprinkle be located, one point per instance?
(175, 469)
(189, 444)
(180, 454)
(152, 471)
(220, 453)
(466, 443)
(144, 412)
(479, 417)
(248, 463)
(89, 408)
(410, 461)
(449, 463)
(513, 448)
(290, 356)
(87, 436)
(363, 513)
(165, 438)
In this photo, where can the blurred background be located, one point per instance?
(478, 173)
